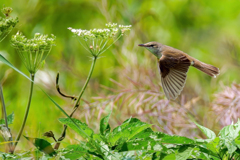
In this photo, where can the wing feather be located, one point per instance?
(173, 75)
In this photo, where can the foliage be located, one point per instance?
(134, 139)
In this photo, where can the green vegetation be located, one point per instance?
(123, 81)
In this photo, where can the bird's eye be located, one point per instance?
(152, 45)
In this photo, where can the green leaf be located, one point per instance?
(104, 126)
(170, 157)
(184, 152)
(75, 151)
(5, 61)
(10, 119)
(231, 146)
(226, 131)
(126, 131)
(237, 142)
(134, 145)
(149, 135)
(42, 145)
(85, 131)
(214, 145)
(209, 133)
(231, 131)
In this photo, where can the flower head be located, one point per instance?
(98, 38)
(7, 24)
(34, 51)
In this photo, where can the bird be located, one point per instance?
(173, 65)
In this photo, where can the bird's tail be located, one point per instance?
(206, 68)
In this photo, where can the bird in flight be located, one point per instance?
(174, 65)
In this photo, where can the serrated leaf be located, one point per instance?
(74, 151)
(209, 133)
(231, 131)
(5, 61)
(170, 157)
(213, 145)
(134, 145)
(104, 126)
(184, 152)
(230, 146)
(10, 119)
(85, 131)
(126, 131)
(42, 145)
(149, 135)
(226, 131)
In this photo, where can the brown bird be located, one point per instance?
(174, 65)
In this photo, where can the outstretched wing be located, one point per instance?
(173, 74)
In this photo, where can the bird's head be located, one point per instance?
(154, 47)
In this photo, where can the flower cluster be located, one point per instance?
(6, 26)
(33, 51)
(98, 38)
(125, 28)
(6, 11)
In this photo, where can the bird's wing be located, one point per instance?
(173, 74)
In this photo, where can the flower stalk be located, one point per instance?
(26, 113)
(33, 53)
(95, 42)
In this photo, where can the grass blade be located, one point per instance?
(5, 61)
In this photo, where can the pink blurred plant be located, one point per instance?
(227, 105)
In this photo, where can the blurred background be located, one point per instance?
(126, 78)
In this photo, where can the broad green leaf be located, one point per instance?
(231, 146)
(10, 119)
(73, 124)
(184, 152)
(158, 156)
(226, 131)
(104, 126)
(149, 135)
(206, 152)
(126, 131)
(75, 151)
(42, 145)
(237, 142)
(5, 61)
(170, 157)
(232, 131)
(209, 133)
(214, 145)
(134, 145)
(85, 131)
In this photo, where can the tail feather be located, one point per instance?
(206, 68)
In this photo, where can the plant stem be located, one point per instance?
(77, 101)
(5, 118)
(26, 113)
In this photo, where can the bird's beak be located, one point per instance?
(142, 45)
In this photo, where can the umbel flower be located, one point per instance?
(34, 51)
(95, 40)
(7, 24)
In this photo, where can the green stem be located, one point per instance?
(26, 112)
(77, 101)
(86, 83)
(5, 117)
